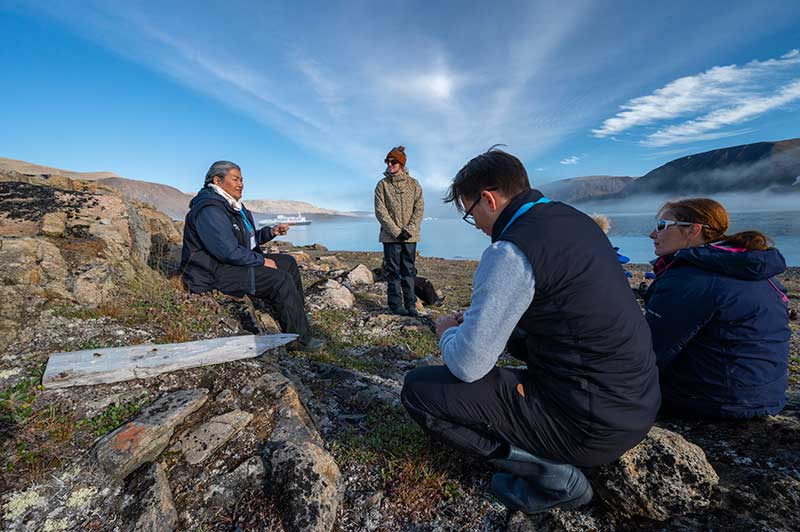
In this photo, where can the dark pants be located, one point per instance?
(398, 259)
(282, 290)
(479, 418)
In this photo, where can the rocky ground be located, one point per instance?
(286, 441)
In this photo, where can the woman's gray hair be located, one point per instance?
(220, 168)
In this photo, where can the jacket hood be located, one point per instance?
(733, 262)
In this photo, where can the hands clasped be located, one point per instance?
(451, 320)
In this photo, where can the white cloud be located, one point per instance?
(712, 100)
(573, 159)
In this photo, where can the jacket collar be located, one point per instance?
(513, 206)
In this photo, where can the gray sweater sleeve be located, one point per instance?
(503, 288)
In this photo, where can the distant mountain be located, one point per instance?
(165, 198)
(27, 168)
(763, 166)
(291, 207)
(577, 189)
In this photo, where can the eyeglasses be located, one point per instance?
(391, 162)
(661, 225)
(467, 216)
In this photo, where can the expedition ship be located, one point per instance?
(288, 220)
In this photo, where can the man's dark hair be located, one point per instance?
(491, 169)
(221, 169)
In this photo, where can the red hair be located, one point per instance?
(715, 219)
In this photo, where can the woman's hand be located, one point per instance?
(280, 229)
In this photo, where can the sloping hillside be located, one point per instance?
(577, 189)
(762, 166)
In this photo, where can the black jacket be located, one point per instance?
(216, 246)
(590, 355)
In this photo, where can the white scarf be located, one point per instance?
(235, 204)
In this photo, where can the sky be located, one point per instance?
(308, 97)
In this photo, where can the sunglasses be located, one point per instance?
(391, 162)
(662, 225)
(467, 216)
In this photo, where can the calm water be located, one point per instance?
(451, 238)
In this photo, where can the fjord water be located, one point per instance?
(451, 238)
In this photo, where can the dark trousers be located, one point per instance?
(398, 259)
(479, 418)
(282, 290)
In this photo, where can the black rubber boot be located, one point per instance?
(535, 485)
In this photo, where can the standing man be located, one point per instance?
(221, 252)
(551, 288)
(398, 208)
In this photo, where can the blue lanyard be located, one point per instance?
(246, 222)
(522, 210)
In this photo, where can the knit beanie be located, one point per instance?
(398, 153)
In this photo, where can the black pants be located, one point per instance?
(479, 418)
(398, 259)
(282, 290)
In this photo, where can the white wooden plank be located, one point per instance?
(115, 364)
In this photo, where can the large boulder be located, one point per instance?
(662, 477)
(330, 294)
(360, 275)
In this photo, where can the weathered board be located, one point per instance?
(115, 364)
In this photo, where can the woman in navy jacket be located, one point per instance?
(719, 319)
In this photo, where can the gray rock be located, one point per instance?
(122, 451)
(576, 520)
(200, 442)
(248, 475)
(360, 275)
(147, 505)
(308, 484)
(663, 476)
(330, 294)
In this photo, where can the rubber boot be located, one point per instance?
(534, 484)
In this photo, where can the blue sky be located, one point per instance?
(309, 97)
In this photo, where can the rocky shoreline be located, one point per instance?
(289, 442)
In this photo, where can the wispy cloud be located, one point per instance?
(715, 99)
(573, 159)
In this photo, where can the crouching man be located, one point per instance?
(221, 252)
(551, 281)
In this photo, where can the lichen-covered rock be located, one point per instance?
(330, 294)
(663, 476)
(307, 482)
(248, 475)
(122, 451)
(360, 275)
(577, 520)
(54, 224)
(148, 505)
(199, 443)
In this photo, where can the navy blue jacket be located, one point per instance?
(720, 327)
(216, 246)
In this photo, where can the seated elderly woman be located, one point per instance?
(718, 317)
(221, 252)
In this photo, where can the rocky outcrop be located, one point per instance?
(662, 477)
(147, 503)
(142, 440)
(302, 473)
(199, 443)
